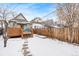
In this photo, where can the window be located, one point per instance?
(10, 24)
(13, 24)
(26, 28)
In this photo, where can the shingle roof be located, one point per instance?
(19, 18)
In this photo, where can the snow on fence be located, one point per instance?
(63, 34)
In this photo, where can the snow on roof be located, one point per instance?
(37, 25)
(51, 23)
(23, 22)
(37, 20)
(19, 18)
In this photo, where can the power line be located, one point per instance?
(49, 14)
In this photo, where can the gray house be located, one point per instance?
(19, 25)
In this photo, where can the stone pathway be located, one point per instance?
(25, 49)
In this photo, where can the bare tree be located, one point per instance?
(5, 14)
(69, 13)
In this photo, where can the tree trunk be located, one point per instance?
(5, 34)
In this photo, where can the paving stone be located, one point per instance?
(25, 47)
(25, 44)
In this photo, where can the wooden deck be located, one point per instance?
(13, 32)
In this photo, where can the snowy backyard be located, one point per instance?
(13, 48)
(38, 46)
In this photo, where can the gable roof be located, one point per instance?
(19, 18)
(37, 20)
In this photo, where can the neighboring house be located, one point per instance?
(19, 26)
(37, 25)
(37, 20)
(51, 23)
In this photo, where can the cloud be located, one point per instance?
(32, 10)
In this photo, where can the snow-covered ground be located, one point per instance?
(39, 46)
(14, 47)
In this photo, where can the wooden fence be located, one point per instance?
(63, 34)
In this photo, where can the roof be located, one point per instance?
(37, 20)
(19, 18)
(51, 23)
(23, 22)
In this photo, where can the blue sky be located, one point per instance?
(32, 10)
